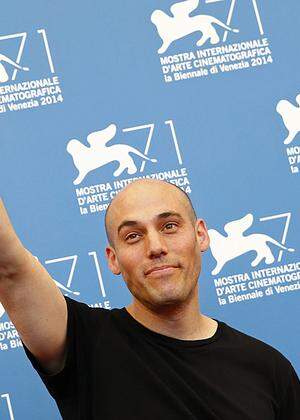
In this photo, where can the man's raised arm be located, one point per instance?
(31, 298)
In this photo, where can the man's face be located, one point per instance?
(151, 227)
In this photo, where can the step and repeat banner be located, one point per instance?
(202, 94)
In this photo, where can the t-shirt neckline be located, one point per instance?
(164, 339)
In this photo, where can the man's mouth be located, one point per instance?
(161, 270)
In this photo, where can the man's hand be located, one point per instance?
(31, 298)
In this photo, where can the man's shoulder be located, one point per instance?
(81, 309)
(252, 346)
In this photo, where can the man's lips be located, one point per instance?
(162, 268)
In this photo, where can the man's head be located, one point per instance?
(151, 224)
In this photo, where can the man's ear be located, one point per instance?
(202, 235)
(112, 260)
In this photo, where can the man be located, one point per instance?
(159, 357)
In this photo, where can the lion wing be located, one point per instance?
(100, 138)
(184, 7)
(237, 227)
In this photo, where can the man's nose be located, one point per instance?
(156, 245)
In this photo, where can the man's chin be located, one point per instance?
(160, 302)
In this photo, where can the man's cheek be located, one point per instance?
(185, 248)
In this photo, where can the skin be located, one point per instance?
(164, 301)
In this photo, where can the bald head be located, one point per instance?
(143, 192)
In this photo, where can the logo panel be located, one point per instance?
(290, 115)
(222, 48)
(66, 271)
(17, 94)
(131, 162)
(269, 274)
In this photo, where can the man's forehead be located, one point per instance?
(145, 198)
(135, 203)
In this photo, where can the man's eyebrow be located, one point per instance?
(127, 223)
(163, 215)
(168, 214)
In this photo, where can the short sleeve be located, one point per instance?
(290, 402)
(62, 384)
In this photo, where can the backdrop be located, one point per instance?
(203, 94)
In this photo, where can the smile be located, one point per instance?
(163, 271)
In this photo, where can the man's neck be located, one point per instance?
(182, 322)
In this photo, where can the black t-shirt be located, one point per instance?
(117, 369)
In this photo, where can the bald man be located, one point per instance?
(159, 357)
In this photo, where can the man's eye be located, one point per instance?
(170, 224)
(131, 236)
